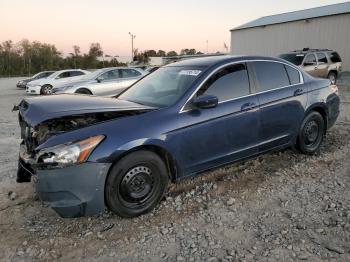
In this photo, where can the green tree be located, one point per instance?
(95, 50)
(171, 53)
(150, 53)
(161, 53)
(187, 51)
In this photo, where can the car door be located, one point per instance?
(207, 138)
(282, 99)
(107, 84)
(62, 78)
(310, 65)
(322, 65)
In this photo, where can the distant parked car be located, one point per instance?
(23, 83)
(103, 82)
(44, 86)
(88, 153)
(317, 62)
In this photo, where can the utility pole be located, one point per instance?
(132, 45)
(207, 46)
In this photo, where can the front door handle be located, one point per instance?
(247, 106)
(298, 92)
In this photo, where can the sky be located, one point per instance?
(157, 24)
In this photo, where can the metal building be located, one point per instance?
(325, 27)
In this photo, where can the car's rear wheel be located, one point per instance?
(311, 133)
(46, 90)
(332, 77)
(136, 184)
(83, 91)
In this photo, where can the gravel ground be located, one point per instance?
(282, 206)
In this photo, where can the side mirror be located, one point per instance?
(99, 79)
(206, 101)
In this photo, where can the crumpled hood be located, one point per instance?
(39, 109)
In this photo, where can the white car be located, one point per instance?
(103, 82)
(45, 85)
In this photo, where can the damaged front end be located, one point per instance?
(65, 179)
(31, 159)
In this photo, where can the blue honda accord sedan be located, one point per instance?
(87, 153)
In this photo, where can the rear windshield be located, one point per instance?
(295, 59)
(335, 58)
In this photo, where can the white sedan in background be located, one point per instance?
(103, 82)
(44, 86)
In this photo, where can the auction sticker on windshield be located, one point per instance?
(190, 72)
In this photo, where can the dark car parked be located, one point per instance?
(23, 83)
(88, 153)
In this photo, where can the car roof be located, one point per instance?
(308, 51)
(223, 59)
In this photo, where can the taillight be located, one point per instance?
(334, 88)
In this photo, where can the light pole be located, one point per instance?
(132, 45)
(207, 45)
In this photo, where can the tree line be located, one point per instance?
(28, 58)
(143, 57)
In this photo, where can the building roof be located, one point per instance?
(321, 11)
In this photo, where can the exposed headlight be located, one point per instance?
(68, 154)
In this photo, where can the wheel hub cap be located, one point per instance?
(137, 183)
(311, 132)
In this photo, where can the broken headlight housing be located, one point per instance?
(68, 154)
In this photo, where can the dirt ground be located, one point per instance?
(282, 206)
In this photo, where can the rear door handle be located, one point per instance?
(298, 92)
(247, 106)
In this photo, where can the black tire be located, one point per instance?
(311, 133)
(83, 91)
(46, 90)
(136, 184)
(333, 77)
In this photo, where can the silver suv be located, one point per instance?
(323, 63)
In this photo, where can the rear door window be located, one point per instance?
(228, 83)
(270, 75)
(293, 75)
(310, 60)
(321, 58)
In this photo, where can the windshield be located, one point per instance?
(55, 74)
(93, 74)
(163, 87)
(296, 59)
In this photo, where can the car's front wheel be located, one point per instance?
(46, 90)
(311, 133)
(136, 184)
